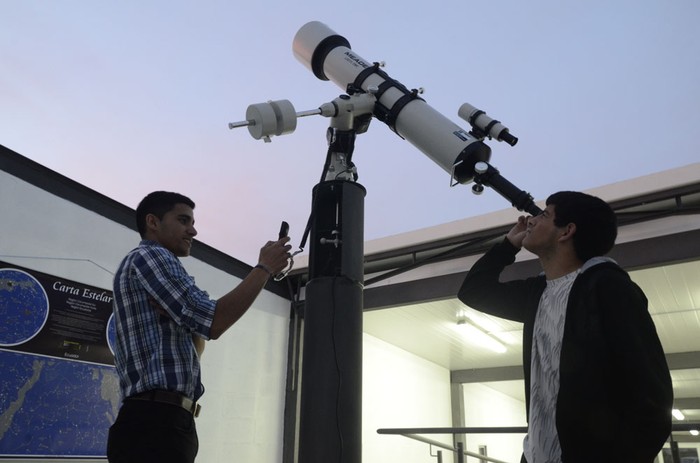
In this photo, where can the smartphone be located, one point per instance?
(284, 230)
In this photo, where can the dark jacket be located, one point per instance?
(615, 391)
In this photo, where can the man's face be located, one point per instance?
(175, 230)
(542, 235)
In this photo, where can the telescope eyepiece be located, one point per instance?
(508, 138)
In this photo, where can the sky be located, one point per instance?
(130, 97)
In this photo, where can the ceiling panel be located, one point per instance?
(671, 288)
(429, 329)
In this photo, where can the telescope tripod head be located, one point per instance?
(350, 115)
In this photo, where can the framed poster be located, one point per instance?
(59, 390)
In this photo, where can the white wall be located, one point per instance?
(488, 407)
(401, 390)
(244, 372)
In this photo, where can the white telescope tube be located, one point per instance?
(329, 57)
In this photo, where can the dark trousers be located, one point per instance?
(152, 432)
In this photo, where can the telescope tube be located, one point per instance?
(329, 56)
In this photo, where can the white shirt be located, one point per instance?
(541, 445)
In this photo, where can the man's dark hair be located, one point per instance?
(158, 203)
(596, 222)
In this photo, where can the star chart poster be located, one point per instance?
(58, 390)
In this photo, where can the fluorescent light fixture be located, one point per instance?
(677, 414)
(486, 325)
(476, 336)
(694, 432)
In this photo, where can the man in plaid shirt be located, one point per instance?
(162, 319)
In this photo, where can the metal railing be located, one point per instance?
(413, 433)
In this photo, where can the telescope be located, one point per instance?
(332, 345)
(371, 92)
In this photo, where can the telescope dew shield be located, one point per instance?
(329, 56)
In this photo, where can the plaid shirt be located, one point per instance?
(157, 309)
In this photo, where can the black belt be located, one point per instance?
(169, 397)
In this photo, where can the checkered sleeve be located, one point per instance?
(165, 279)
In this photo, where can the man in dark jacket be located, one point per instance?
(597, 385)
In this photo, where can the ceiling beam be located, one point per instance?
(676, 361)
(661, 250)
(688, 403)
(481, 375)
(484, 375)
(684, 437)
(683, 360)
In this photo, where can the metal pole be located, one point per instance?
(675, 453)
(331, 390)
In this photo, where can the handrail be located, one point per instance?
(452, 449)
(412, 433)
(470, 430)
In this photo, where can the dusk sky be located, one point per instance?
(129, 97)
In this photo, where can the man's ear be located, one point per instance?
(568, 232)
(152, 222)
